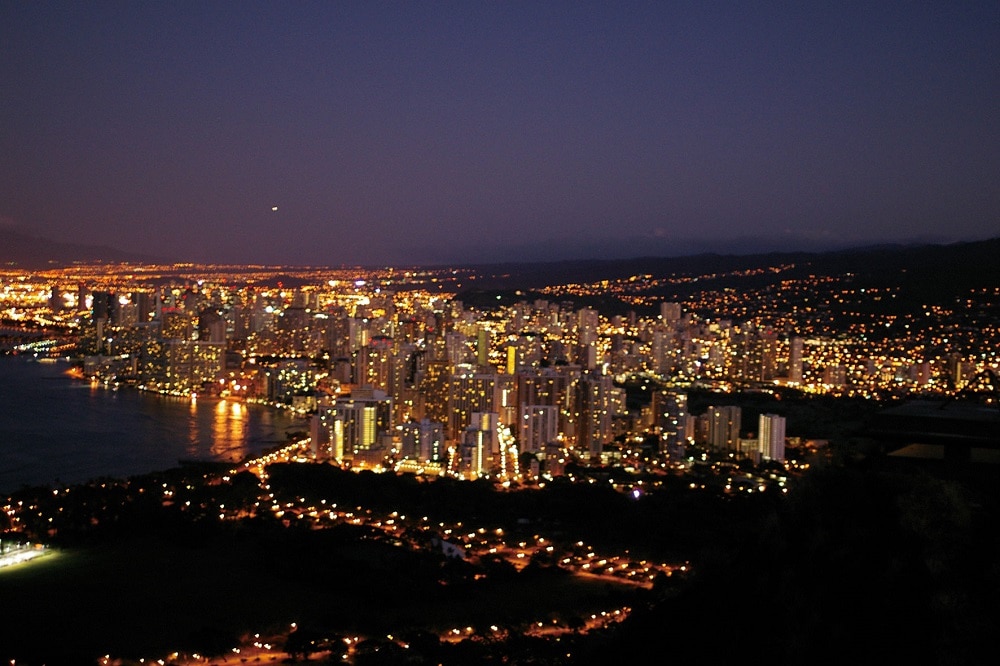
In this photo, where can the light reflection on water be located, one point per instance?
(53, 426)
(229, 430)
(193, 434)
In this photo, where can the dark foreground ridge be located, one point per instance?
(866, 559)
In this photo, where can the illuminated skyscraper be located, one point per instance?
(537, 427)
(482, 348)
(669, 418)
(593, 414)
(795, 360)
(543, 387)
(433, 383)
(470, 392)
(723, 427)
(423, 441)
(189, 365)
(480, 449)
(771, 436)
(374, 363)
(354, 424)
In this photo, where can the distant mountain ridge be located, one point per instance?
(917, 274)
(975, 258)
(21, 250)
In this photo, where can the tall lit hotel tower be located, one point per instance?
(593, 411)
(724, 427)
(470, 392)
(588, 321)
(350, 428)
(456, 348)
(434, 384)
(374, 363)
(480, 444)
(402, 377)
(538, 426)
(423, 441)
(482, 348)
(669, 412)
(795, 361)
(771, 436)
(657, 351)
(542, 387)
(754, 355)
(191, 364)
(511, 366)
(507, 401)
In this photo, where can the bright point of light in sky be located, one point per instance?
(420, 133)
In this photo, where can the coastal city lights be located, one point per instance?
(405, 374)
(482, 333)
(395, 372)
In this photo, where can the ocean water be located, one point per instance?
(56, 429)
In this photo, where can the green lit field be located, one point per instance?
(151, 596)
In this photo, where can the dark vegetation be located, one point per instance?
(870, 562)
(867, 558)
(155, 581)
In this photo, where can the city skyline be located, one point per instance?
(420, 133)
(775, 428)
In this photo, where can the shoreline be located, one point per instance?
(58, 433)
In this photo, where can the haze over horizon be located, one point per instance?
(418, 133)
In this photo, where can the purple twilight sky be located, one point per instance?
(430, 132)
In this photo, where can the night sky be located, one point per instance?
(430, 132)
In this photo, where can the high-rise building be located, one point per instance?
(189, 365)
(211, 326)
(482, 347)
(423, 441)
(669, 412)
(753, 355)
(104, 305)
(470, 392)
(771, 436)
(723, 427)
(593, 414)
(374, 363)
(433, 383)
(352, 426)
(480, 449)
(795, 360)
(542, 387)
(587, 323)
(537, 427)
(177, 325)
(670, 312)
(457, 350)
